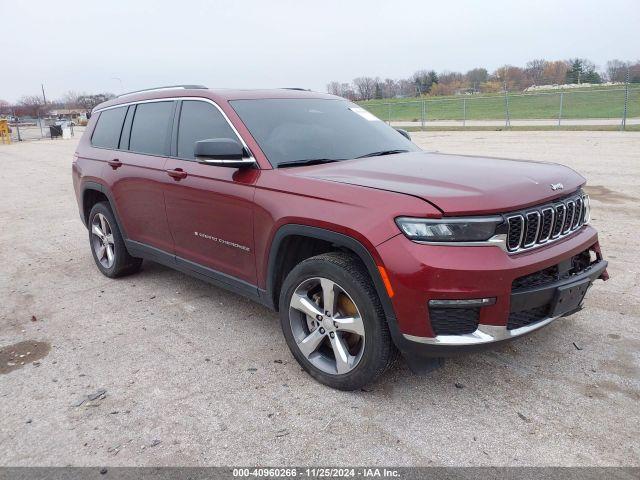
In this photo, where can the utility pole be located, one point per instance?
(43, 95)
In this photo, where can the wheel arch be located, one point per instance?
(93, 192)
(340, 240)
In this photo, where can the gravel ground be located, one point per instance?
(183, 373)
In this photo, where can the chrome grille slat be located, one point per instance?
(516, 228)
(561, 213)
(571, 211)
(531, 229)
(586, 209)
(578, 214)
(547, 223)
(537, 226)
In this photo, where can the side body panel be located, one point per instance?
(210, 213)
(86, 167)
(137, 189)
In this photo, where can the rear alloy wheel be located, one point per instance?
(102, 240)
(107, 245)
(333, 321)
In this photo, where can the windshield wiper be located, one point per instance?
(382, 152)
(309, 161)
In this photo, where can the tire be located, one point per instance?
(118, 263)
(358, 359)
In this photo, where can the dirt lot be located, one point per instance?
(193, 375)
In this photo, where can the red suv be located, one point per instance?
(307, 203)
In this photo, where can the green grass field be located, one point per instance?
(549, 128)
(583, 103)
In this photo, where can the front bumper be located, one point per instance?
(485, 334)
(420, 273)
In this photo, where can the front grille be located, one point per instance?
(527, 317)
(454, 321)
(538, 225)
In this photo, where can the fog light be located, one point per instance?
(467, 302)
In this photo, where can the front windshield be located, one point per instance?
(294, 130)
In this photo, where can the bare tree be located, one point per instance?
(5, 107)
(342, 90)
(616, 70)
(447, 77)
(634, 72)
(365, 87)
(514, 78)
(406, 88)
(32, 105)
(555, 72)
(89, 101)
(70, 99)
(333, 88)
(477, 77)
(535, 70)
(390, 88)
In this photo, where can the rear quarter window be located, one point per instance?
(107, 131)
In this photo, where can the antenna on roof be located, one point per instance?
(169, 87)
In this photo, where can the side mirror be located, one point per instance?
(222, 152)
(404, 133)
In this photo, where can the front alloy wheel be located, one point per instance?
(327, 326)
(333, 321)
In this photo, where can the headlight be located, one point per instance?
(470, 229)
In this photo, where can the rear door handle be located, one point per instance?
(177, 174)
(115, 163)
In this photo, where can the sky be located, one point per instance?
(118, 45)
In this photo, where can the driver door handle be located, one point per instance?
(115, 163)
(177, 174)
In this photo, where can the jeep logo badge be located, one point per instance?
(556, 186)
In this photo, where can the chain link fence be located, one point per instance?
(615, 106)
(39, 128)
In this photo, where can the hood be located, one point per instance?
(455, 184)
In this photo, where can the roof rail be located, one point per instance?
(297, 88)
(168, 87)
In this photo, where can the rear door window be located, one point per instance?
(150, 128)
(108, 128)
(200, 121)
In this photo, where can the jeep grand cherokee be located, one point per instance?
(365, 244)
